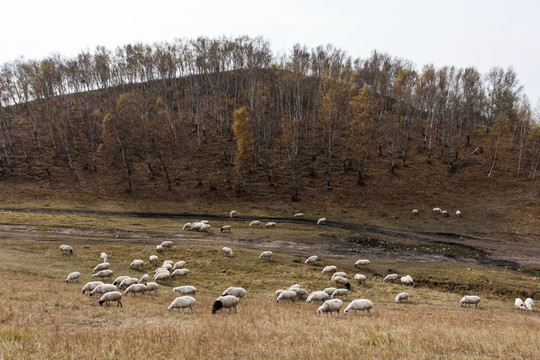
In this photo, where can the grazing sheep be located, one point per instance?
(266, 255)
(330, 306)
(519, 304)
(298, 215)
(137, 264)
(102, 266)
(360, 279)
(187, 226)
(470, 299)
(162, 276)
(529, 303)
(166, 266)
(159, 248)
(317, 296)
(270, 224)
(183, 302)
(180, 272)
(226, 228)
(300, 293)
(458, 213)
(359, 305)
(255, 223)
(103, 257)
(119, 279)
(329, 290)
(167, 244)
(401, 297)
(343, 281)
(144, 279)
(111, 296)
(361, 262)
(232, 214)
(321, 221)
(169, 262)
(66, 249)
(407, 280)
(135, 288)
(178, 265)
(73, 277)
(286, 295)
(205, 227)
(185, 290)
(152, 286)
(227, 302)
(102, 289)
(91, 286)
(311, 259)
(235, 291)
(339, 292)
(445, 213)
(391, 278)
(103, 274)
(339, 273)
(437, 210)
(153, 259)
(128, 282)
(415, 212)
(228, 251)
(329, 269)
(295, 286)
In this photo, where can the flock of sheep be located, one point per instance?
(437, 211)
(230, 298)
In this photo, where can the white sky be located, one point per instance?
(478, 33)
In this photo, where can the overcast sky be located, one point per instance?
(483, 34)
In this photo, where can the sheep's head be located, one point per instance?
(101, 302)
(348, 285)
(218, 305)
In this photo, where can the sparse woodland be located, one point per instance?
(207, 110)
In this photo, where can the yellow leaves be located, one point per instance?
(244, 140)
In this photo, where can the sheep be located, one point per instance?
(298, 215)
(226, 228)
(391, 278)
(119, 279)
(179, 265)
(185, 290)
(103, 257)
(167, 244)
(187, 226)
(300, 293)
(415, 212)
(111, 296)
(519, 304)
(227, 302)
(228, 251)
(330, 306)
(103, 274)
(445, 213)
(235, 291)
(204, 221)
(470, 299)
(359, 305)
(128, 282)
(401, 297)
(102, 289)
(159, 248)
(407, 280)
(360, 279)
(529, 303)
(135, 288)
(295, 286)
(329, 269)
(137, 264)
(166, 266)
(317, 296)
(180, 272)
(361, 262)
(329, 290)
(232, 214)
(266, 255)
(153, 259)
(183, 302)
(205, 227)
(311, 259)
(321, 221)
(255, 223)
(152, 286)
(73, 277)
(339, 292)
(339, 273)
(458, 213)
(102, 266)
(91, 286)
(286, 295)
(270, 224)
(66, 249)
(162, 276)
(343, 281)
(437, 210)
(169, 262)
(144, 279)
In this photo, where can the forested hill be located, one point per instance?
(227, 118)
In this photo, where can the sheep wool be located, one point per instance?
(111, 296)
(91, 286)
(401, 297)
(330, 306)
(469, 300)
(183, 302)
(359, 305)
(73, 277)
(225, 302)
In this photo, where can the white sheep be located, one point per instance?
(103, 274)
(73, 277)
(111, 296)
(255, 223)
(128, 282)
(135, 288)
(361, 262)
(178, 265)
(519, 304)
(153, 259)
(180, 272)
(228, 251)
(329, 290)
(183, 302)
(339, 292)
(415, 212)
(458, 213)
(102, 289)
(330, 306)
(391, 278)
(235, 291)
(266, 255)
(226, 228)
(339, 273)
(232, 214)
(343, 281)
(185, 290)
(298, 215)
(66, 249)
(529, 303)
(311, 259)
(103, 257)
(169, 262)
(470, 299)
(360, 279)
(102, 266)
(137, 264)
(91, 286)
(401, 297)
(359, 305)
(286, 295)
(317, 296)
(437, 210)
(159, 248)
(407, 280)
(152, 286)
(119, 279)
(300, 293)
(321, 221)
(445, 213)
(227, 302)
(205, 227)
(167, 244)
(270, 224)
(144, 279)
(187, 226)
(162, 276)
(329, 269)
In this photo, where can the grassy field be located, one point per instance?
(42, 317)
